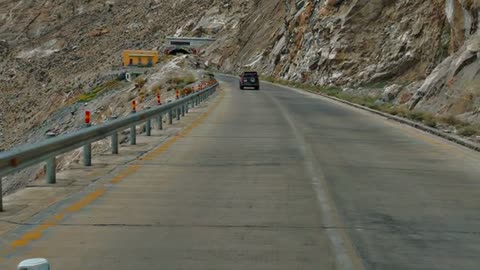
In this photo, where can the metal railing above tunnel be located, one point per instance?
(24, 156)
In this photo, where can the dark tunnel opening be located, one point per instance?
(179, 52)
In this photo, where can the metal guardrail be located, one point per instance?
(24, 156)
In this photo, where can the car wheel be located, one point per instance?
(257, 87)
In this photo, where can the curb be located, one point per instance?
(456, 139)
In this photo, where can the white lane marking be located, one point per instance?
(345, 255)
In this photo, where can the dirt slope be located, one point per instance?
(54, 51)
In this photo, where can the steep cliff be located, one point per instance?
(429, 48)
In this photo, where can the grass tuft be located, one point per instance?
(464, 129)
(469, 131)
(182, 81)
(95, 92)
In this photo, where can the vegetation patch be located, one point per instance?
(375, 85)
(182, 81)
(328, 90)
(451, 120)
(428, 119)
(469, 131)
(140, 82)
(98, 90)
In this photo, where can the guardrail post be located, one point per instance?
(178, 113)
(51, 166)
(114, 139)
(133, 129)
(160, 122)
(87, 148)
(187, 104)
(183, 110)
(160, 116)
(133, 135)
(87, 154)
(170, 116)
(148, 125)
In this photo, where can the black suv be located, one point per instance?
(249, 79)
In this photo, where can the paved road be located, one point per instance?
(276, 179)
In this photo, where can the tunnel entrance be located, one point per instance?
(178, 52)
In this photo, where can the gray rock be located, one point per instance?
(391, 92)
(4, 48)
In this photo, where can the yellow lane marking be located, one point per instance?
(183, 133)
(125, 173)
(86, 200)
(38, 232)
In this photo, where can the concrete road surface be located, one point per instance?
(274, 179)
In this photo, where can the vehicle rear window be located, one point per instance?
(250, 74)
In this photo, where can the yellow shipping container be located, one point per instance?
(142, 58)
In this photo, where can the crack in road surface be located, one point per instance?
(252, 226)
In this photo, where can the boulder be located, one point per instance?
(391, 92)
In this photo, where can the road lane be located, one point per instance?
(410, 200)
(277, 179)
(232, 194)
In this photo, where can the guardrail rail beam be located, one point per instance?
(27, 155)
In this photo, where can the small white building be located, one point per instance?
(186, 44)
(193, 42)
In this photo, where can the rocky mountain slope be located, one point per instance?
(52, 52)
(429, 49)
(422, 54)
(57, 59)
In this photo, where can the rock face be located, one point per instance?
(338, 42)
(454, 86)
(432, 43)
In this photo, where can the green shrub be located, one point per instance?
(331, 91)
(452, 121)
(140, 82)
(430, 120)
(190, 78)
(182, 80)
(381, 84)
(399, 111)
(98, 90)
(469, 131)
(416, 116)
